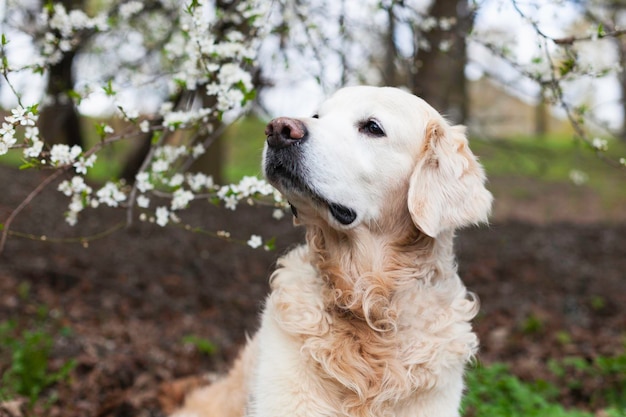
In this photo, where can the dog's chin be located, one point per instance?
(303, 203)
(300, 193)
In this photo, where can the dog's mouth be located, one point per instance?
(289, 181)
(344, 215)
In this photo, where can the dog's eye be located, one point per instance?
(372, 128)
(316, 116)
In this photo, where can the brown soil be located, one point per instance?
(547, 291)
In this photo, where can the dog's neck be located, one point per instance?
(363, 269)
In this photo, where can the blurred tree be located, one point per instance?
(434, 65)
(438, 68)
(610, 16)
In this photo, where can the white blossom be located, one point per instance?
(162, 216)
(278, 214)
(65, 45)
(142, 182)
(71, 217)
(428, 24)
(82, 164)
(170, 153)
(79, 193)
(61, 154)
(31, 133)
(181, 198)
(7, 129)
(255, 241)
(22, 116)
(110, 195)
(600, 144)
(7, 137)
(198, 150)
(199, 181)
(34, 150)
(76, 204)
(74, 186)
(446, 23)
(143, 201)
(144, 126)
(160, 165)
(176, 180)
(230, 202)
(578, 177)
(129, 9)
(175, 119)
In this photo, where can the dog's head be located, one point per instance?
(369, 149)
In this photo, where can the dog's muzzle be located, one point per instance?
(283, 165)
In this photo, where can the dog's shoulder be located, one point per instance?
(294, 268)
(296, 302)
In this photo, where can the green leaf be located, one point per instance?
(26, 165)
(34, 109)
(4, 40)
(567, 66)
(75, 96)
(108, 89)
(100, 130)
(270, 244)
(601, 32)
(203, 345)
(156, 136)
(192, 6)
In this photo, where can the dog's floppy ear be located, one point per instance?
(447, 187)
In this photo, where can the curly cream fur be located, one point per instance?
(369, 320)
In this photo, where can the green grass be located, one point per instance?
(201, 344)
(25, 355)
(495, 391)
(552, 159)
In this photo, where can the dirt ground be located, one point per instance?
(550, 287)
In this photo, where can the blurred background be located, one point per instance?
(118, 318)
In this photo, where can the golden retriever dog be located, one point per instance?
(369, 317)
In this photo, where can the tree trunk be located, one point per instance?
(541, 115)
(621, 47)
(438, 74)
(59, 121)
(389, 75)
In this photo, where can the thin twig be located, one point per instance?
(26, 202)
(81, 239)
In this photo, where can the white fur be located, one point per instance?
(369, 318)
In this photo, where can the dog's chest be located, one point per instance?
(307, 348)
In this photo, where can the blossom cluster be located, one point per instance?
(196, 58)
(249, 189)
(21, 118)
(219, 62)
(82, 196)
(63, 29)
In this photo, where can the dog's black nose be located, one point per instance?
(283, 132)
